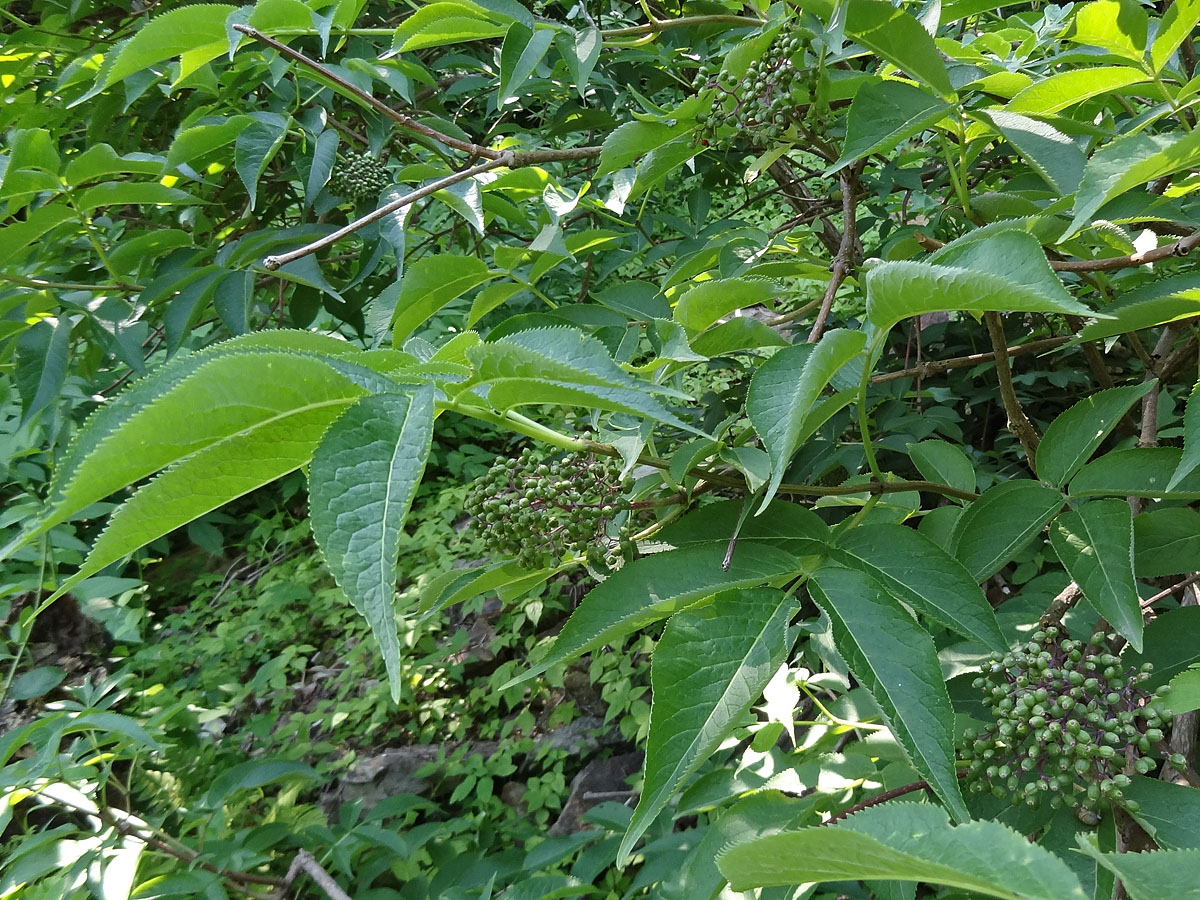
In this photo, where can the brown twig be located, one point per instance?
(843, 260)
(307, 863)
(1018, 422)
(274, 262)
(1059, 605)
(659, 25)
(1167, 592)
(937, 366)
(895, 792)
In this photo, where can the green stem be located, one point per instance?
(863, 419)
(86, 223)
(959, 188)
(1175, 107)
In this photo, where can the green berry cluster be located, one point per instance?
(539, 510)
(1070, 721)
(761, 103)
(360, 176)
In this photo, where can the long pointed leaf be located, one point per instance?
(361, 482)
(709, 668)
(1074, 436)
(896, 661)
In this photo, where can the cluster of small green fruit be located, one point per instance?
(1069, 720)
(538, 510)
(360, 176)
(761, 103)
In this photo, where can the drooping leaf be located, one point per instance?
(1002, 522)
(709, 301)
(1073, 437)
(1136, 472)
(255, 147)
(1095, 543)
(520, 54)
(785, 388)
(908, 842)
(899, 38)
(324, 157)
(915, 570)
(1063, 89)
(581, 54)
(943, 462)
(883, 115)
(709, 668)
(1130, 162)
(361, 482)
(429, 284)
(1152, 876)
(654, 587)
(41, 365)
(895, 660)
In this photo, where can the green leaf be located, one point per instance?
(580, 54)
(362, 480)
(429, 284)
(253, 774)
(1185, 694)
(324, 158)
(1095, 543)
(916, 571)
(197, 30)
(441, 24)
(883, 115)
(1118, 26)
(1050, 153)
(634, 139)
(906, 842)
(900, 39)
(194, 144)
(1057, 92)
(1166, 541)
(1157, 303)
(255, 147)
(1127, 163)
(1171, 642)
(1152, 876)
(42, 355)
(1073, 437)
(35, 683)
(896, 661)
(654, 587)
(1169, 812)
(704, 304)
(520, 54)
(709, 668)
(785, 388)
(101, 160)
(1137, 472)
(19, 235)
(943, 462)
(1176, 26)
(1190, 458)
(1001, 523)
(901, 290)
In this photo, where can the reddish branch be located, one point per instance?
(879, 798)
(935, 367)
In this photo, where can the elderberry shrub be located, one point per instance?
(1070, 722)
(761, 103)
(360, 176)
(537, 511)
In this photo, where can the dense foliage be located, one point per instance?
(837, 356)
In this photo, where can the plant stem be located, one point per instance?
(1018, 422)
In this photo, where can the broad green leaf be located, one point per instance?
(1050, 153)
(634, 139)
(785, 388)
(702, 305)
(520, 54)
(580, 54)
(255, 147)
(1057, 92)
(1130, 162)
(101, 160)
(1190, 458)
(361, 482)
(709, 669)
(1074, 435)
(916, 571)
(122, 193)
(252, 774)
(194, 143)
(19, 235)
(900, 39)
(883, 115)
(943, 462)
(1166, 541)
(1095, 544)
(489, 298)
(324, 158)
(900, 290)
(1169, 812)
(42, 355)
(429, 284)
(1176, 26)
(1137, 472)
(654, 587)
(1009, 252)
(1184, 696)
(787, 526)
(1171, 642)
(440, 24)
(1152, 876)
(1002, 522)
(895, 660)
(906, 842)
(35, 683)
(1118, 26)
(198, 30)
(739, 333)
(1157, 303)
